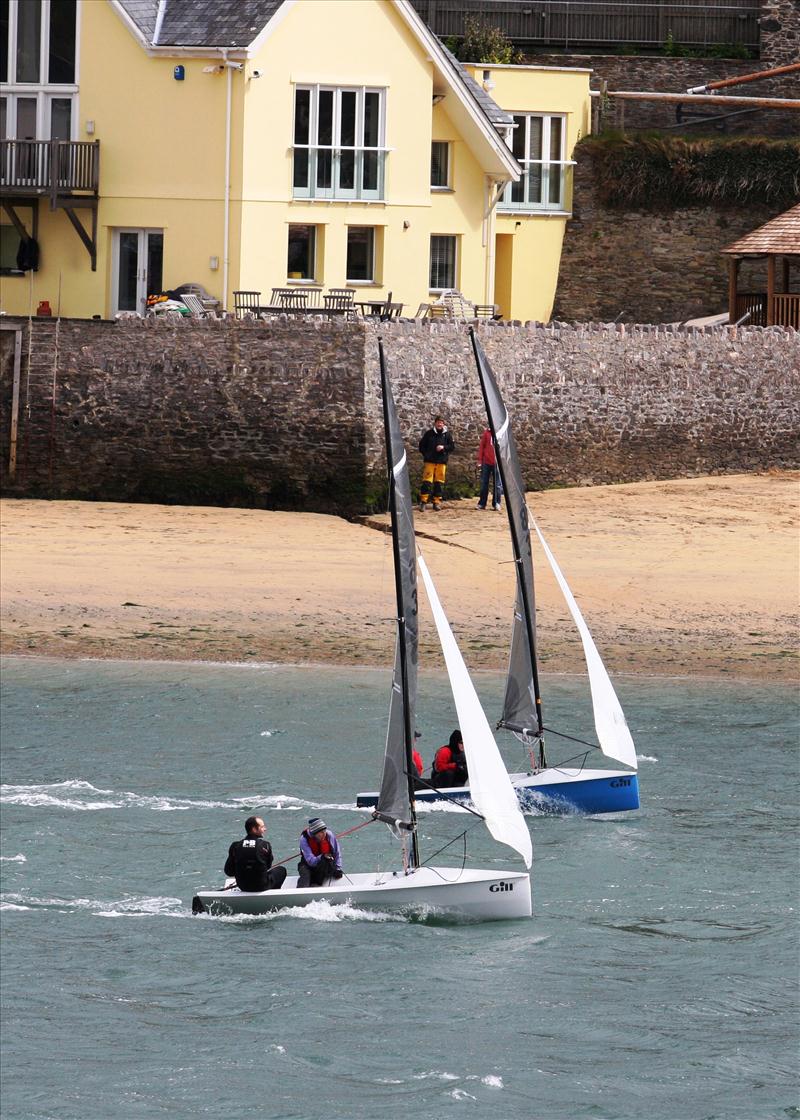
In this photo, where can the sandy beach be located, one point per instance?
(696, 576)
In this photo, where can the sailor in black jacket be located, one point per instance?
(250, 860)
(435, 447)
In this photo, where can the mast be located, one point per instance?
(401, 610)
(525, 592)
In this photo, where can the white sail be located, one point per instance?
(491, 791)
(612, 729)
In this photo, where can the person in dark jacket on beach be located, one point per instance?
(450, 764)
(320, 855)
(435, 447)
(250, 860)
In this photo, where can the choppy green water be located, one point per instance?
(657, 978)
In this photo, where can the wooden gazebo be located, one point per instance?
(777, 240)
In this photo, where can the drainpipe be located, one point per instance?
(494, 191)
(227, 203)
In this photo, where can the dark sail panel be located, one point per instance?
(394, 800)
(521, 711)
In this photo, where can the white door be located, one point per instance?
(138, 266)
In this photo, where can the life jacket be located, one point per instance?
(419, 765)
(444, 760)
(252, 859)
(319, 843)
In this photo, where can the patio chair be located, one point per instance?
(423, 311)
(454, 305)
(339, 297)
(246, 301)
(196, 307)
(290, 298)
(487, 311)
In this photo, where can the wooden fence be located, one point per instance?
(585, 23)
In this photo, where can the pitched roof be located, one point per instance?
(201, 23)
(499, 117)
(781, 236)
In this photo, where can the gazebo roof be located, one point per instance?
(778, 237)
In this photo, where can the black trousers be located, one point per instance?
(308, 876)
(271, 880)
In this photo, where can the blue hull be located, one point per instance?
(614, 793)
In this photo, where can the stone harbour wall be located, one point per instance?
(651, 266)
(286, 414)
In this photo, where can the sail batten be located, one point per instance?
(613, 733)
(491, 791)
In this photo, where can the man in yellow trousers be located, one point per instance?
(435, 446)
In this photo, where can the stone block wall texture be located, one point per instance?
(287, 415)
(651, 266)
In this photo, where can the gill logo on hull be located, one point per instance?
(495, 887)
(619, 783)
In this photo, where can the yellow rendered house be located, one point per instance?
(255, 144)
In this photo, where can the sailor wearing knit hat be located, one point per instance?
(320, 855)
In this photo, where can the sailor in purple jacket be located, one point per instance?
(320, 855)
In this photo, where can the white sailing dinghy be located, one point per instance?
(567, 786)
(460, 892)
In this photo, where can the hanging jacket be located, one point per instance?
(431, 440)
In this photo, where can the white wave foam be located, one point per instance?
(86, 797)
(646, 758)
(436, 1074)
(105, 908)
(461, 1095)
(493, 1081)
(12, 906)
(13, 859)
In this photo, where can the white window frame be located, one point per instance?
(549, 167)
(43, 91)
(448, 184)
(454, 237)
(335, 148)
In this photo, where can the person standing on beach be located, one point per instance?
(250, 860)
(487, 460)
(320, 855)
(435, 447)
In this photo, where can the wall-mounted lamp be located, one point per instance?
(89, 127)
(213, 263)
(257, 74)
(406, 224)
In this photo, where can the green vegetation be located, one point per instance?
(714, 50)
(651, 171)
(482, 43)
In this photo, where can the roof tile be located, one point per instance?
(781, 236)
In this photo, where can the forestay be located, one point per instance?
(491, 791)
(609, 720)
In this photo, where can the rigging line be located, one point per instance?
(339, 835)
(447, 797)
(572, 738)
(461, 836)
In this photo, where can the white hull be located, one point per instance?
(432, 891)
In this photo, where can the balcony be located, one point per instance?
(65, 171)
(49, 167)
(339, 173)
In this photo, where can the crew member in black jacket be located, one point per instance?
(435, 446)
(250, 860)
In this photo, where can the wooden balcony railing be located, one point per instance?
(54, 167)
(784, 311)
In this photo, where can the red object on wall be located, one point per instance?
(44, 308)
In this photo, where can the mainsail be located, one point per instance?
(491, 791)
(394, 804)
(522, 706)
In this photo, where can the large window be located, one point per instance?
(338, 142)
(538, 143)
(440, 164)
(360, 254)
(301, 262)
(37, 69)
(443, 263)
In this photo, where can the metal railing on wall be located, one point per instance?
(577, 23)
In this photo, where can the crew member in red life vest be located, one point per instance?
(450, 764)
(419, 765)
(320, 856)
